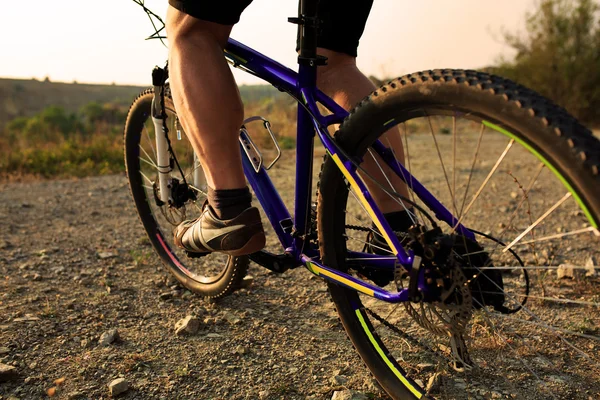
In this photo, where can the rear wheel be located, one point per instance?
(214, 275)
(521, 173)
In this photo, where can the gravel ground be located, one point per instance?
(75, 264)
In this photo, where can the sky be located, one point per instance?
(103, 41)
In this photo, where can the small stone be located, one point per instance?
(425, 366)
(103, 255)
(165, 295)
(187, 326)
(213, 335)
(496, 395)
(51, 392)
(247, 282)
(7, 372)
(514, 195)
(4, 350)
(263, 394)
(36, 277)
(565, 271)
(85, 343)
(339, 380)
(240, 350)
(118, 386)
(232, 318)
(75, 395)
(434, 382)
(503, 209)
(33, 365)
(59, 381)
(348, 395)
(590, 267)
(26, 318)
(108, 337)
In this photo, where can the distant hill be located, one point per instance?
(27, 97)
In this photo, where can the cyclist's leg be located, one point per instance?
(210, 108)
(206, 96)
(343, 25)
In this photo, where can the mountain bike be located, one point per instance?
(504, 187)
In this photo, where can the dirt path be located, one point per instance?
(75, 263)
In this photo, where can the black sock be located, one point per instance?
(400, 221)
(229, 203)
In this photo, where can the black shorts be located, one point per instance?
(343, 21)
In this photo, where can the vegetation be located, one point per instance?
(45, 130)
(559, 55)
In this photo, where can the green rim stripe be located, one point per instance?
(587, 212)
(388, 122)
(385, 358)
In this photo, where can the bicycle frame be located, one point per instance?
(310, 120)
(292, 233)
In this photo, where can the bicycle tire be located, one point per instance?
(230, 275)
(544, 128)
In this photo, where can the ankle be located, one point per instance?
(229, 203)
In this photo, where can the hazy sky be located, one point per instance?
(103, 41)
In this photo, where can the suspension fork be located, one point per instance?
(163, 159)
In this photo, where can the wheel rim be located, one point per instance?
(483, 173)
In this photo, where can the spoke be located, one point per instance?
(367, 243)
(391, 186)
(149, 161)
(560, 235)
(148, 179)
(150, 142)
(365, 210)
(462, 206)
(437, 147)
(148, 187)
(539, 220)
(536, 317)
(453, 156)
(410, 179)
(476, 196)
(554, 329)
(554, 299)
(507, 343)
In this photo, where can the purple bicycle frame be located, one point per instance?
(302, 86)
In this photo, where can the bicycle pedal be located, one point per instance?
(195, 255)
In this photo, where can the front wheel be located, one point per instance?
(213, 275)
(520, 173)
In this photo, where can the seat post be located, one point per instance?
(307, 30)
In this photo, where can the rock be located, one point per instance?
(187, 326)
(565, 271)
(103, 255)
(26, 318)
(213, 335)
(165, 295)
(4, 350)
(7, 372)
(496, 395)
(118, 386)
(425, 366)
(232, 318)
(59, 381)
(108, 337)
(348, 395)
(240, 350)
(51, 392)
(247, 281)
(263, 394)
(434, 382)
(75, 395)
(339, 380)
(590, 267)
